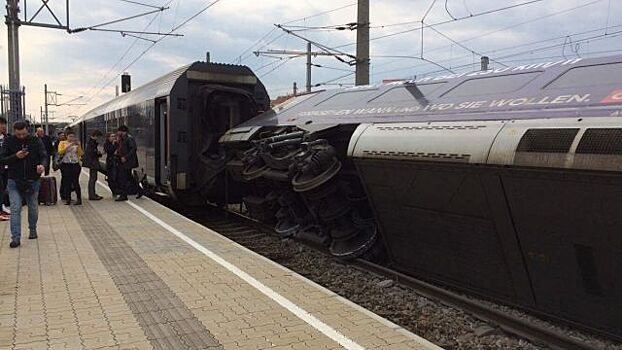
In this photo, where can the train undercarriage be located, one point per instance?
(302, 183)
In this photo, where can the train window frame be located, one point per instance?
(536, 74)
(593, 83)
(370, 90)
(405, 86)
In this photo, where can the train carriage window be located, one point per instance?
(601, 74)
(492, 85)
(407, 93)
(346, 98)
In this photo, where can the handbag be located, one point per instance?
(55, 162)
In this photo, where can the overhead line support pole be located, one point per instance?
(308, 67)
(13, 23)
(45, 93)
(362, 43)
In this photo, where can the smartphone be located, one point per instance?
(25, 148)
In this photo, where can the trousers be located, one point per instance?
(92, 182)
(70, 180)
(32, 200)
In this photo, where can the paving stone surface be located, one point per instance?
(108, 276)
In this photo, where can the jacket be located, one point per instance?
(3, 167)
(128, 150)
(26, 168)
(62, 149)
(110, 148)
(91, 155)
(48, 143)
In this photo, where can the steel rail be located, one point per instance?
(512, 324)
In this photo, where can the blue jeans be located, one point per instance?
(32, 199)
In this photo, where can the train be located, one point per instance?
(504, 183)
(177, 120)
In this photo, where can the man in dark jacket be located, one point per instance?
(49, 148)
(127, 159)
(26, 158)
(91, 161)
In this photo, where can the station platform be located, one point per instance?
(136, 275)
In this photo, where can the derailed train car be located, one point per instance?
(506, 183)
(177, 121)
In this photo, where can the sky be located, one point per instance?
(85, 67)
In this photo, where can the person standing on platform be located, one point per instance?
(91, 161)
(69, 153)
(5, 213)
(49, 147)
(61, 137)
(26, 159)
(110, 147)
(127, 159)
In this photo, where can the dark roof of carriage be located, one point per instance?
(574, 87)
(162, 86)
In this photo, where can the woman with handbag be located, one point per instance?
(70, 152)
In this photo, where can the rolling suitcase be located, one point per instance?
(47, 191)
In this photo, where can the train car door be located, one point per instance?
(161, 145)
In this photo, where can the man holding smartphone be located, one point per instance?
(26, 158)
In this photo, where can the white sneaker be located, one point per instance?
(6, 209)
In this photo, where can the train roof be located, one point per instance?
(569, 87)
(162, 86)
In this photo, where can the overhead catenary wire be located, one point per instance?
(283, 62)
(447, 10)
(462, 45)
(134, 32)
(438, 23)
(76, 30)
(472, 15)
(611, 35)
(195, 15)
(248, 54)
(122, 57)
(155, 43)
(334, 79)
(140, 3)
(427, 12)
(276, 61)
(322, 47)
(528, 51)
(331, 68)
(321, 13)
(245, 54)
(423, 26)
(483, 35)
(343, 26)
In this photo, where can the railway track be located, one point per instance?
(252, 234)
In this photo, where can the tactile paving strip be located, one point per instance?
(166, 321)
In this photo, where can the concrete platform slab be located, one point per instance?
(136, 275)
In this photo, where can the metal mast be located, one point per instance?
(13, 22)
(294, 53)
(309, 67)
(15, 91)
(362, 43)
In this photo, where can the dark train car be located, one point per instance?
(506, 183)
(177, 120)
